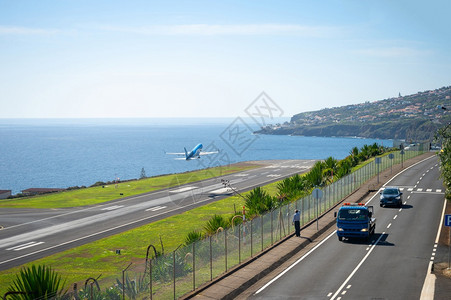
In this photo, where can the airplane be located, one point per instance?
(193, 154)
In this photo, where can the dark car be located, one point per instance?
(391, 196)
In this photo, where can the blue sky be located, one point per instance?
(97, 59)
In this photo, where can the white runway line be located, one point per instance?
(156, 208)
(25, 246)
(183, 189)
(113, 207)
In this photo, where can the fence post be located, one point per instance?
(194, 266)
(150, 278)
(225, 245)
(261, 218)
(271, 228)
(173, 270)
(123, 281)
(211, 262)
(251, 236)
(239, 243)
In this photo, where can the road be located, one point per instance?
(29, 234)
(392, 266)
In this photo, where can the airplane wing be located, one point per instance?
(175, 153)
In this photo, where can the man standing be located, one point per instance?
(297, 222)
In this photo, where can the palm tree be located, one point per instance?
(258, 201)
(39, 282)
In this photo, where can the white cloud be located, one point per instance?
(11, 30)
(393, 52)
(243, 29)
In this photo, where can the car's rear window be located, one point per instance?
(390, 192)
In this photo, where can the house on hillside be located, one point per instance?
(5, 194)
(38, 191)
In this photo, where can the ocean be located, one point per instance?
(60, 153)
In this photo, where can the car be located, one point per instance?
(391, 196)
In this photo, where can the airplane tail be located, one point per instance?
(186, 153)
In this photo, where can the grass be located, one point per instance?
(99, 257)
(99, 194)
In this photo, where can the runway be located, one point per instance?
(30, 234)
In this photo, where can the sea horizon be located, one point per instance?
(62, 153)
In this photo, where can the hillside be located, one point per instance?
(414, 117)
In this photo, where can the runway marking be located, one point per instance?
(155, 208)
(241, 175)
(25, 246)
(273, 175)
(183, 189)
(113, 207)
(221, 191)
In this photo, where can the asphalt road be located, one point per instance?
(392, 266)
(29, 234)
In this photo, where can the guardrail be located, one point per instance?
(174, 274)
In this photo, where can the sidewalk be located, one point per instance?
(229, 285)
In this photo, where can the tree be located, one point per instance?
(39, 282)
(444, 135)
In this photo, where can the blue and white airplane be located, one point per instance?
(193, 154)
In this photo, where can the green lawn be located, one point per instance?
(99, 194)
(99, 257)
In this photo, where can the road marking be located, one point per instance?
(113, 207)
(330, 294)
(410, 189)
(358, 266)
(429, 190)
(222, 191)
(155, 208)
(438, 190)
(388, 226)
(418, 182)
(294, 264)
(395, 217)
(25, 246)
(419, 190)
(183, 189)
(408, 197)
(273, 175)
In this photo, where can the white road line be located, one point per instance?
(419, 190)
(410, 189)
(388, 226)
(330, 294)
(394, 218)
(156, 208)
(438, 190)
(294, 264)
(183, 189)
(113, 207)
(25, 246)
(358, 266)
(12, 248)
(429, 190)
